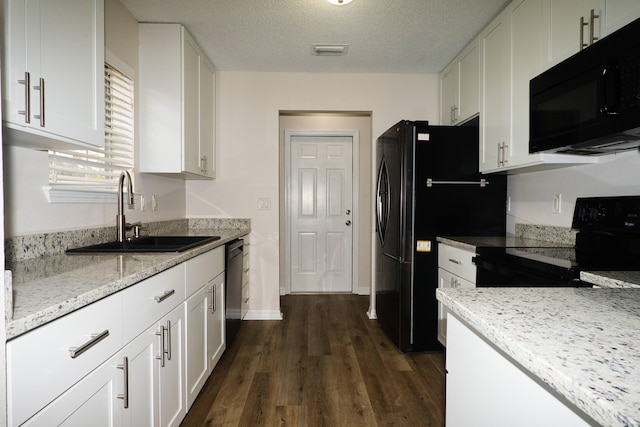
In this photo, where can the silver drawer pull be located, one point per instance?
(95, 339)
(455, 261)
(125, 369)
(165, 295)
(246, 300)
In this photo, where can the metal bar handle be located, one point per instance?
(41, 89)
(27, 97)
(592, 18)
(162, 352)
(455, 261)
(582, 25)
(168, 346)
(214, 303)
(125, 370)
(482, 183)
(164, 296)
(95, 339)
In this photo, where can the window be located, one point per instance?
(100, 168)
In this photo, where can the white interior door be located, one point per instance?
(321, 213)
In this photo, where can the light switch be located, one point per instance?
(264, 203)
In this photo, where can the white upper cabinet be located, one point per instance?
(618, 13)
(177, 104)
(460, 87)
(572, 25)
(495, 58)
(53, 66)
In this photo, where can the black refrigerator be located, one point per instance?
(428, 185)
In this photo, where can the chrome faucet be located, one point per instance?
(120, 220)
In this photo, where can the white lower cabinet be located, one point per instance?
(171, 379)
(455, 270)
(204, 318)
(91, 402)
(486, 388)
(141, 381)
(122, 361)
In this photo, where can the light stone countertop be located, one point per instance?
(584, 343)
(49, 287)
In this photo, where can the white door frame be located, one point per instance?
(355, 147)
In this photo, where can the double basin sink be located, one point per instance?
(148, 244)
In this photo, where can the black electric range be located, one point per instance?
(607, 239)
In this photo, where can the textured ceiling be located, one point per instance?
(383, 36)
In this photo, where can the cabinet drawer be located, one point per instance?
(457, 261)
(203, 268)
(40, 365)
(149, 300)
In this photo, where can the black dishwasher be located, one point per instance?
(233, 289)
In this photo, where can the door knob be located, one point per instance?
(348, 212)
(348, 222)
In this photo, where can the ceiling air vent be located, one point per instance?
(329, 49)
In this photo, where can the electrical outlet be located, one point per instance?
(556, 203)
(142, 203)
(154, 202)
(508, 203)
(264, 203)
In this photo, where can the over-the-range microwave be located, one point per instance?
(590, 102)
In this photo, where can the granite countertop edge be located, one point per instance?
(468, 304)
(32, 314)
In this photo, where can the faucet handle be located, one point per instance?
(137, 227)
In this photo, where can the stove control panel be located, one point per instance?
(618, 214)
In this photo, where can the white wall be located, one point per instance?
(26, 171)
(248, 106)
(532, 193)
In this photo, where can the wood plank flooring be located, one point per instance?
(325, 364)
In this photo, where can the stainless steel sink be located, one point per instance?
(148, 244)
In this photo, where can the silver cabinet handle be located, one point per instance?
(214, 303)
(203, 164)
(27, 97)
(164, 296)
(246, 300)
(40, 116)
(162, 351)
(95, 339)
(125, 370)
(592, 19)
(168, 346)
(455, 261)
(582, 25)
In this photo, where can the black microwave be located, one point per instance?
(589, 103)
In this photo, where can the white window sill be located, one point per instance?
(71, 194)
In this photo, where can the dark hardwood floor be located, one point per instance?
(325, 364)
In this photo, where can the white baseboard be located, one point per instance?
(263, 315)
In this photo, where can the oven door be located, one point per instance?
(505, 273)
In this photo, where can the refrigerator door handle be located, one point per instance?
(382, 201)
(482, 183)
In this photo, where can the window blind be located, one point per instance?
(101, 167)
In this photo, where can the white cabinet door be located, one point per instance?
(143, 370)
(618, 13)
(565, 34)
(91, 402)
(177, 100)
(216, 340)
(448, 280)
(485, 388)
(196, 321)
(171, 381)
(460, 87)
(449, 94)
(58, 45)
(527, 52)
(495, 109)
(207, 98)
(469, 82)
